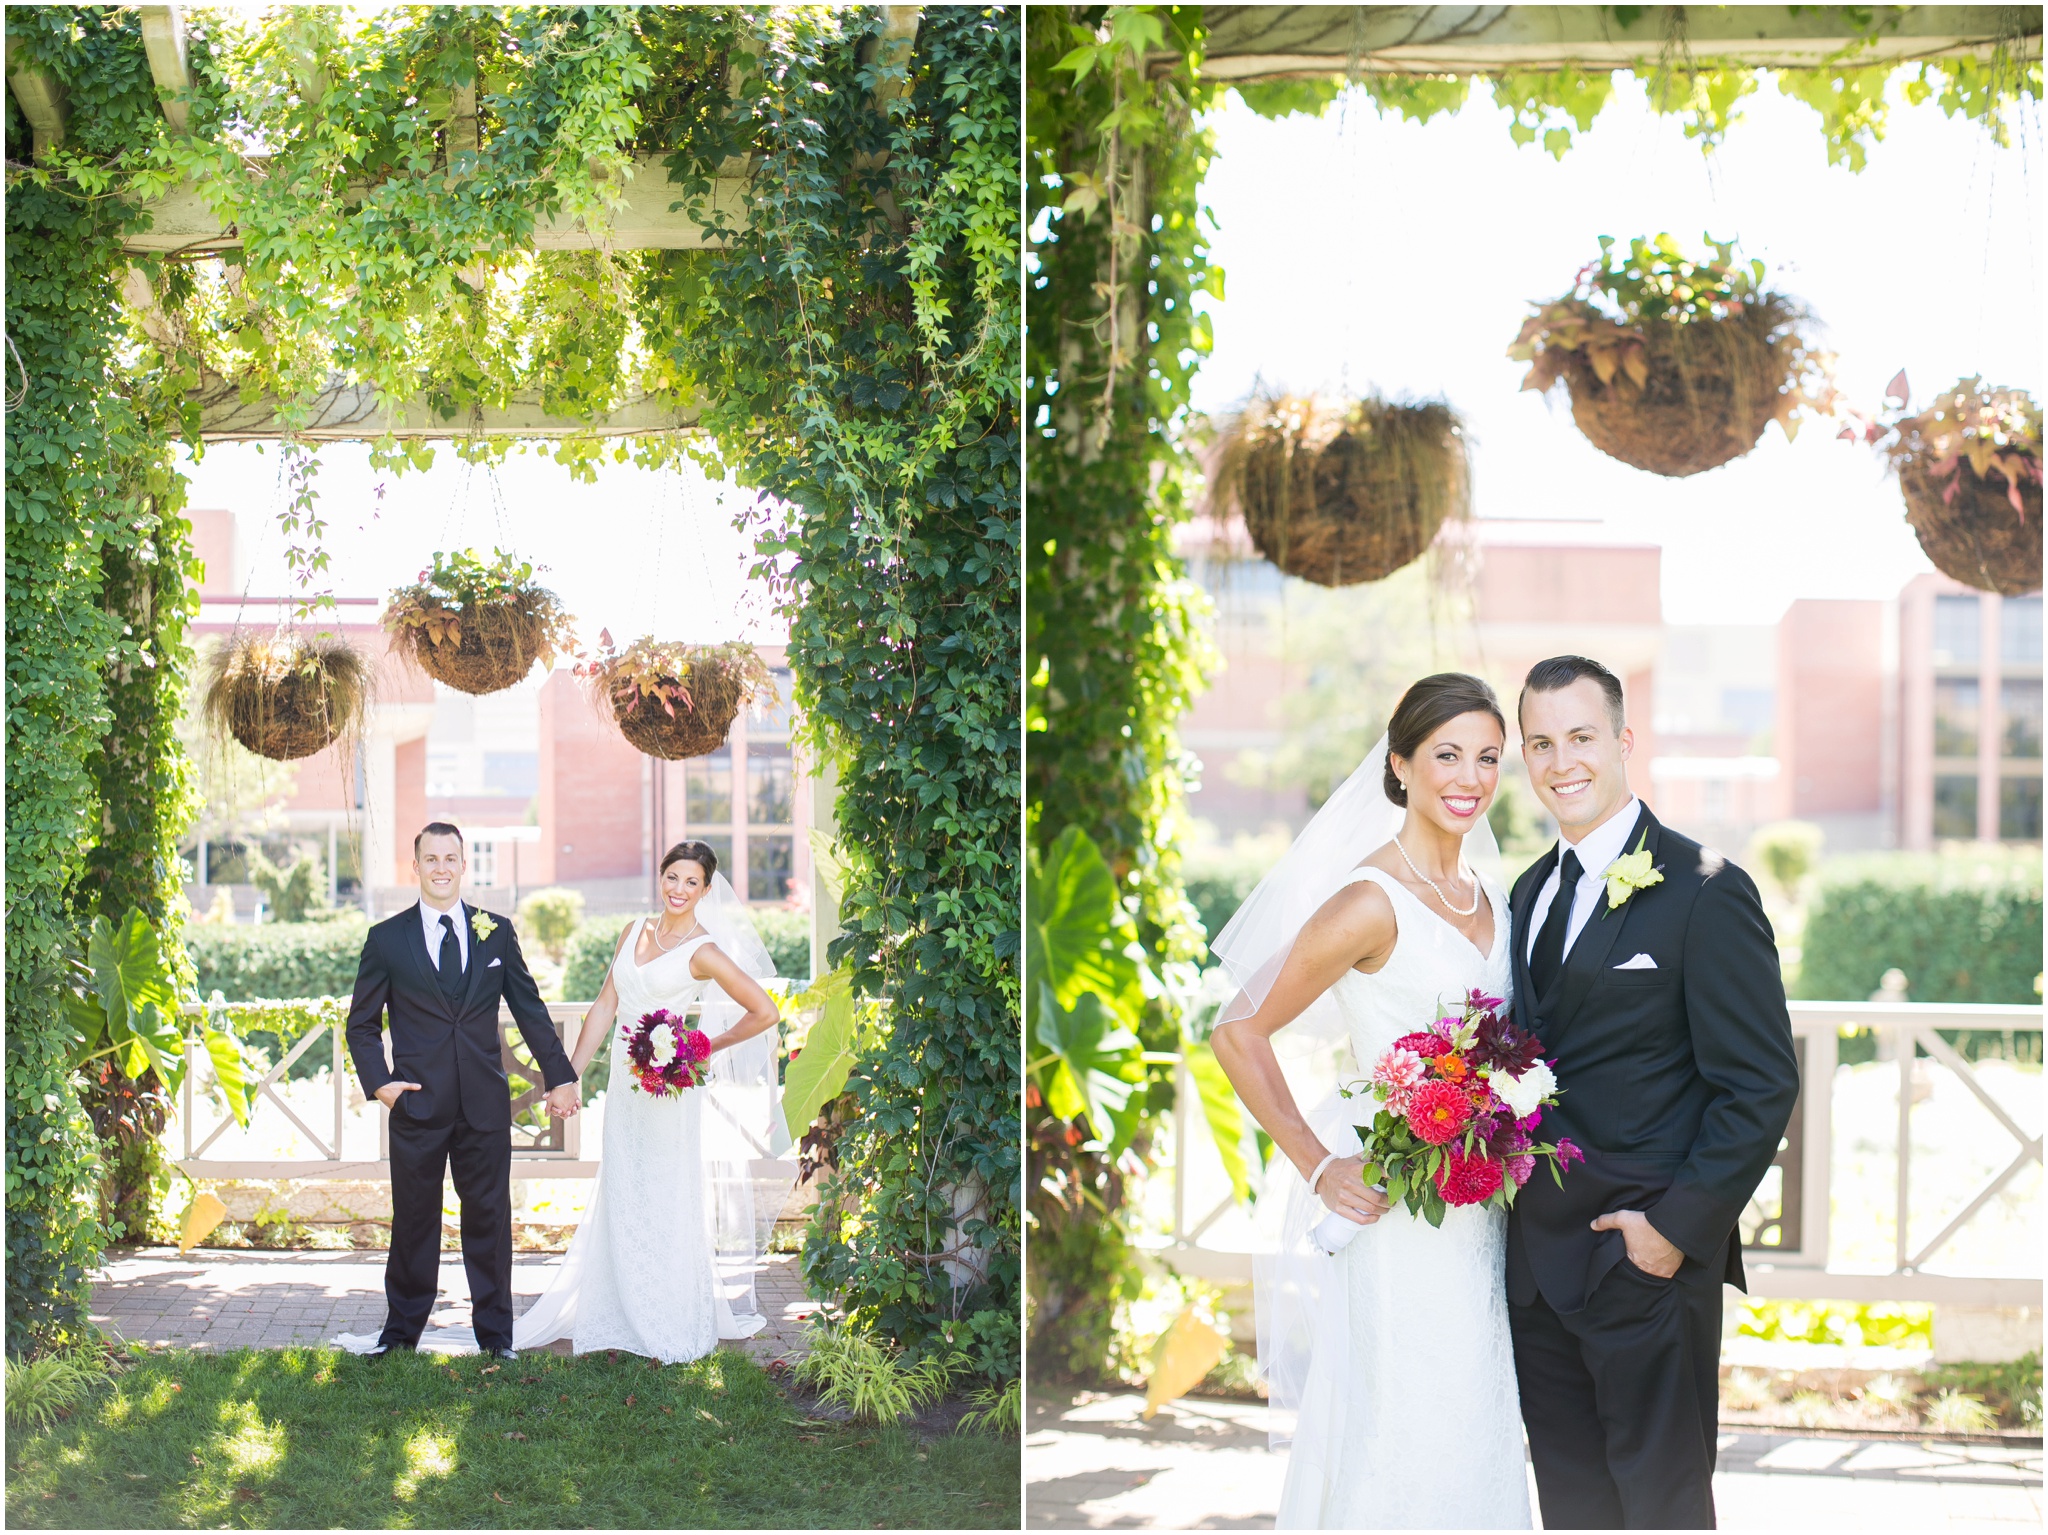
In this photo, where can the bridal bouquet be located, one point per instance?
(664, 1053)
(1460, 1104)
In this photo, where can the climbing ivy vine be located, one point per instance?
(852, 352)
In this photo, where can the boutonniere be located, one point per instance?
(481, 924)
(1630, 873)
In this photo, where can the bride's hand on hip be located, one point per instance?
(1342, 1188)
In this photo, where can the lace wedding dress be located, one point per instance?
(642, 1273)
(1409, 1416)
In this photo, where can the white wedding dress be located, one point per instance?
(1409, 1416)
(643, 1273)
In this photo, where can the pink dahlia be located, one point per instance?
(1422, 1043)
(1400, 1072)
(1438, 1111)
(1467, 1180)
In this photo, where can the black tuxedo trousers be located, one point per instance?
(1677, 1076)
(459, 1123)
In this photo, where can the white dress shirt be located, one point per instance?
(1597, 849)
(430, 919)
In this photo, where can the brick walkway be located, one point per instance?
(1092, 1463)
(226, 1299)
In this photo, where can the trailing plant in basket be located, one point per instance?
(672, 699)
(286, 695)
(1338, 492)
(1969, 467)
(1676, 361)
(478, 625)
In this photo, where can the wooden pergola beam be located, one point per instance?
(41, 100)
(347, 412)
(1254, 42)
(163, 40)
(184, 221)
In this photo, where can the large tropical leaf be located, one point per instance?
(1077, 935)
(818, 1074)
(1093, 1066)
(231, 1071)
(154, 1040)
(1223, 1113)
(128, 970)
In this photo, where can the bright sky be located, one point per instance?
(1363, 252)
(637, 553)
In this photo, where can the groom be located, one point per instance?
(1666, 1017)
(439, 970)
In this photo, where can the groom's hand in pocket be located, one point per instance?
(1647, 1249)
(1343, 1189)
(391, 1092)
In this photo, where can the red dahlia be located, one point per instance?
(1467, 1180)
(1438, 1111)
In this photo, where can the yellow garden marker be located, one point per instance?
(206, 1213)
(1189, 1351)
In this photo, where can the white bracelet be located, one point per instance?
(1315, 1177)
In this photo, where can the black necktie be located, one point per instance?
(1548, 956)
(451, 959)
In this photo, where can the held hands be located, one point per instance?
(390, 1092)
(565, 1100)
(1342, 1189)
(1647, 1249)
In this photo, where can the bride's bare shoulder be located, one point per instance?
(1361, 906)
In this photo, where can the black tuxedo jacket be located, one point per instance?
(1677, 1082)
(451, 1050)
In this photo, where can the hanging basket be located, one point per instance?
(1975, 535)
(674, 701)
(1338, 492)
(285, 697)
(478, 628)
(1711, 387)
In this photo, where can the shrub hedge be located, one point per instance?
(1964, 927)
(283, 959)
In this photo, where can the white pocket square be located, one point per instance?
(497, 962)
(1640, 962)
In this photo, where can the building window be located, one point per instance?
(1956, 631)
(2019, 809)
(771, 794)
(769, 715)
(707, 789)
(483, 863)
(2022, 735)
(1714, 800)
(1955, 716)
(2019, 630)
(771, 861)
(1955, 806)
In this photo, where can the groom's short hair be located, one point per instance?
(1560, 672)
(436, 829)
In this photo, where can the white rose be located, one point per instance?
(1522, 1094)
(661, 1043)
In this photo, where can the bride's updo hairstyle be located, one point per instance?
(1426, 706)
(698, 853)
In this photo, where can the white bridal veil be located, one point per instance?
(744, 1136)
(1303, 1311)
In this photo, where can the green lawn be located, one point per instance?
(311, 1438)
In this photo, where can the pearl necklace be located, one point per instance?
(670, 948)
(1465, 911)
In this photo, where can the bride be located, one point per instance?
(643, 1273)
(1395, 1351)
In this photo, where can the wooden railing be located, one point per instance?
(1791, 1237)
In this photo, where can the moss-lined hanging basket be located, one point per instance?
(672, 700)
(1675, 363)
(478, 627)
(1339, 492)
(285, 696)
(1969, 469)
